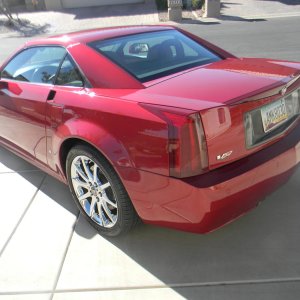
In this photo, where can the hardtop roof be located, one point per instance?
(87, 36)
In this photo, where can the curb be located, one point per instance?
(247, 17)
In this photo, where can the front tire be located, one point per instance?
(98, 192)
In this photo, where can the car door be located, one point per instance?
(25, 85)
(68, 90)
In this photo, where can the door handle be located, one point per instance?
(51, 95)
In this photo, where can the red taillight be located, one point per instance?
(187, 145)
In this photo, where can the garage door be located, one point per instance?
(80, 3)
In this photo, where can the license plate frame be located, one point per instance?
(273, 115)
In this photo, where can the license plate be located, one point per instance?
(273, 114)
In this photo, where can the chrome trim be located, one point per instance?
(272, 92)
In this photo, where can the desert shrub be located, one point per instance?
(162, 4)
(197, 4)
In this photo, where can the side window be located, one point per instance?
(37, 65)
(69, 74)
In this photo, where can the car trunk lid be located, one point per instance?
(225, 82)
(224, 93)
(227, 93)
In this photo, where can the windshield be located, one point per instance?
(152, 55)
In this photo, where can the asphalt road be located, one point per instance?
(256, 257)
(275, 38)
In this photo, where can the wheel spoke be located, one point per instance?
(84, 196)
(95, 174)
(103, 186)
(100, 213)
(80, 172)
(87, 169)
(93, 206)
(107, 200)
(107, 211)
(78, 183)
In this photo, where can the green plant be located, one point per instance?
(162, 4)
(197, 4)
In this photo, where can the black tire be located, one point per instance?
(108, 220)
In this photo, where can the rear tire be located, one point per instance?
(98, 192)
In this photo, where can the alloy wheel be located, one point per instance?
(94, 191)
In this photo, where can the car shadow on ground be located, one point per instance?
(263, 245)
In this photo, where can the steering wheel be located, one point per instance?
(44, 74)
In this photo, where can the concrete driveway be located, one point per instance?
(48, 251)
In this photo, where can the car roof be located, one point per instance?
(87, 36)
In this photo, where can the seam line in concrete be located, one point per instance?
(21, 171)
(64, 257)
(176, 285)
(22, 217)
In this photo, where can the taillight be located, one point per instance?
(187, 144)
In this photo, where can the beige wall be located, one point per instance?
(212, 8)
(53, 4)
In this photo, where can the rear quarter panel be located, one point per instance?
(125, 133)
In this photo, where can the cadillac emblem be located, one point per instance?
(224, 155)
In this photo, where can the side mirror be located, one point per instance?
(139, 49)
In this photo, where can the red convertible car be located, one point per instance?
(152, 123)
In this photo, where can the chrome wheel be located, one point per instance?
(94, 191)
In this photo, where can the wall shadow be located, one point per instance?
(286, 2)
(240, 19)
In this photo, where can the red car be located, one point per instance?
(152, 123)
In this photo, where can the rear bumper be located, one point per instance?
(203, 203)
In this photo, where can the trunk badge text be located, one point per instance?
(224, 155)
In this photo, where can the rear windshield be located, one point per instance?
(152, 55)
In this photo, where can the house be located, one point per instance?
(60, 4)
